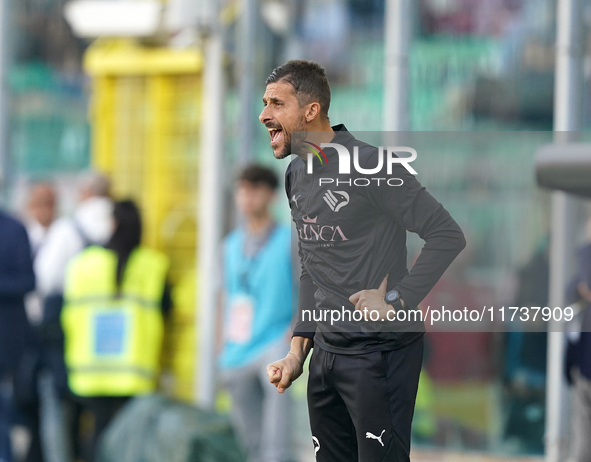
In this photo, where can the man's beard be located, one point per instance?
(299, 135)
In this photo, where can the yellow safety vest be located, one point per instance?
(113, 343)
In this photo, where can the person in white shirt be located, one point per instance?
(40, 214)
(41, 208)
(91, 224)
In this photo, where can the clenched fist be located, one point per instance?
(282, 373)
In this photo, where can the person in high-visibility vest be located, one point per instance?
(113, 319)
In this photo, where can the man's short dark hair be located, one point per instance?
(308, 80)
(257, 174)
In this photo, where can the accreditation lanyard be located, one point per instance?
(249, 263)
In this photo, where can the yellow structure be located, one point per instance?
(145, 119)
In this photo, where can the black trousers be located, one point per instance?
(361, 406)
(104, 409)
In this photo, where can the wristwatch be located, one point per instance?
(393, 298)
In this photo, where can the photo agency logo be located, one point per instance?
(386, 157)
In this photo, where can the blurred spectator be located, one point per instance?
(113, 320)
(525, 361)
(578, 356)
(40, 213)
(16, 280)
(66, 237)
(257, 319)
(41, 210)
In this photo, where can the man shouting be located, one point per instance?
(352, 225)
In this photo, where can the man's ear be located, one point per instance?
(312, 112)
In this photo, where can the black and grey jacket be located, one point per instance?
(351, 236)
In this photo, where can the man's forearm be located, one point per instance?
(301, 346)
(306, 301)
(442, 245)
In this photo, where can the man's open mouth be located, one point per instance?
(275, 133)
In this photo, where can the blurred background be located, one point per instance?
(162, 97)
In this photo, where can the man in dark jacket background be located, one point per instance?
(578, 358)
(16, 280)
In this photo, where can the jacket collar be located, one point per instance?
(342, 135)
